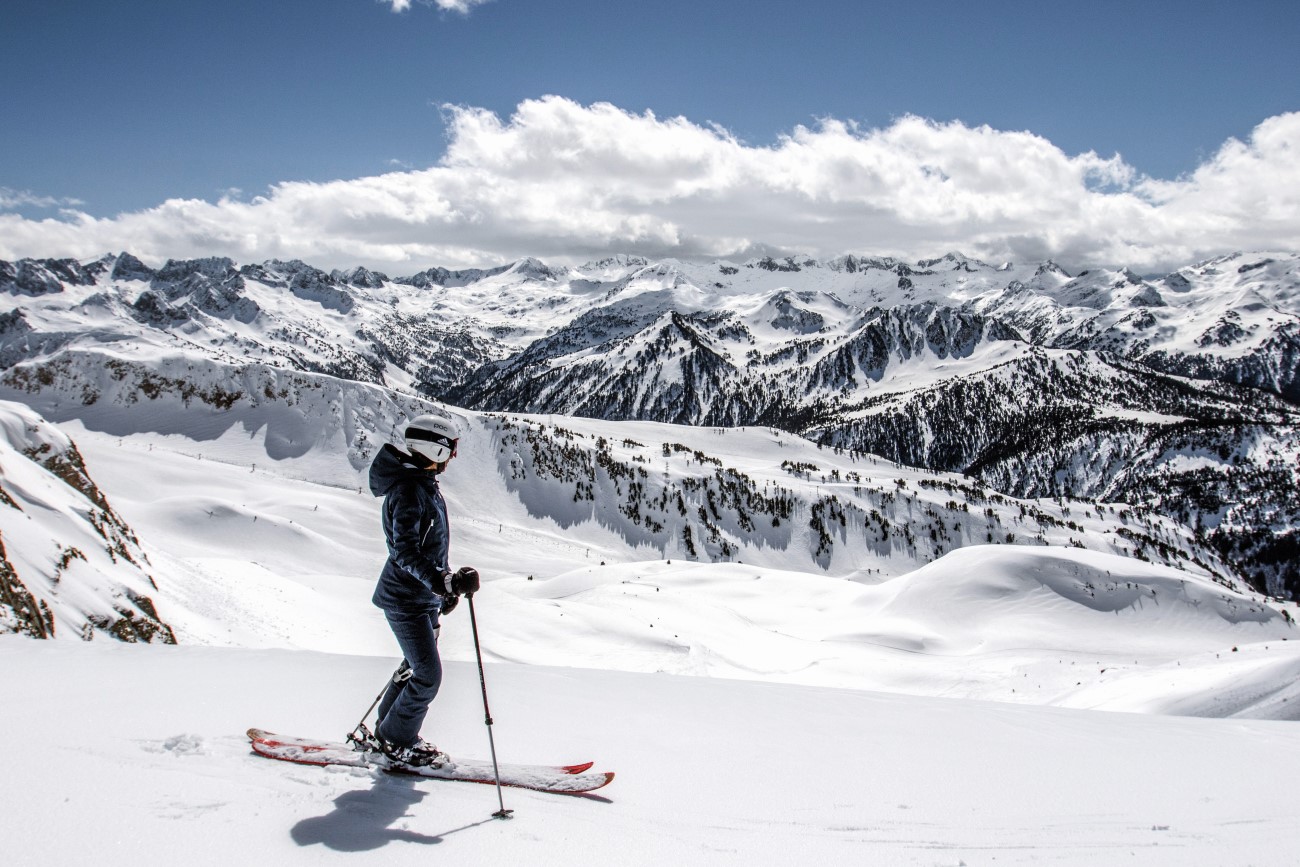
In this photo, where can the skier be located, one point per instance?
(416, 585)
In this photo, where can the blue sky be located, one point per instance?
(113, 108)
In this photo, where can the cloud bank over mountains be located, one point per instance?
(563, 180)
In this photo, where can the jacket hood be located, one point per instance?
(390, 466)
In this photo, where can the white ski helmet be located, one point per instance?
(433, 436)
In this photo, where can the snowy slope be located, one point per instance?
(70, 566)
(710, 772)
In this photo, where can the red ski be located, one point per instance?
(561, 779)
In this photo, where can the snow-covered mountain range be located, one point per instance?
(1177, 394)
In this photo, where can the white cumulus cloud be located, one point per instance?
(461, 6)
(11, 199)
(566, 181)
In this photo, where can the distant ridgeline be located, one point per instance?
(1178, 394)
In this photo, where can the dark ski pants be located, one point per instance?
(405, 704)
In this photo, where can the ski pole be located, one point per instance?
(402, 673)
(503, 813)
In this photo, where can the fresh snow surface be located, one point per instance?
(754, 713)
(141, 756)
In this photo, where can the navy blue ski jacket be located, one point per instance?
(415, 528)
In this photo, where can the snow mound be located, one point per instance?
(1257, 681)
(997, 597)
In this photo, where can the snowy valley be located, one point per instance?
(934, 563)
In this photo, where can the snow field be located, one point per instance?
(710, 771)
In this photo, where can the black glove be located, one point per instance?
(449, 603)
(464, 581)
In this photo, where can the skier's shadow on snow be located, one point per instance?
(362, 819)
